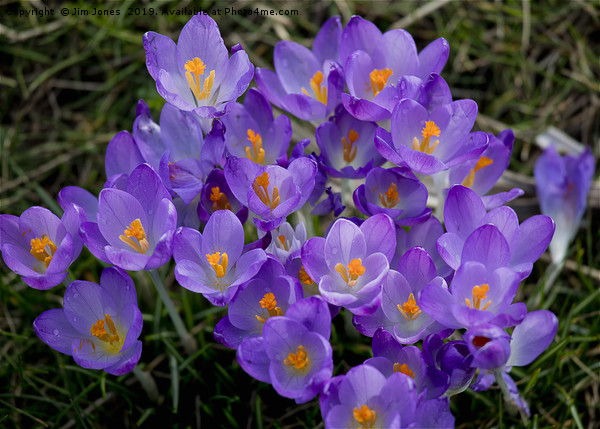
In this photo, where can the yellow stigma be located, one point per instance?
(365, 416)
(260, 185)
(135, 230)
(193, 70)
(391, 197)
(483, 162)
(257, 154)
(318, 88)
(219, 199)
(349, 148)
(404, 369)
(284, 245)
(270, 303)
(410, 310)
(355, 270)
(479, 294)
(378, 79)
(111, 336)
(43, 249)
(219, 267)
(304, 278)
(430, 130)
(299, 360)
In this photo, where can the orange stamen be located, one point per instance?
(430, 130)
(319, 90)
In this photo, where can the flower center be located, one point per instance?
(260, 185)
(318, 88)
(390, 198)
(355, 270)
(365, 416)
(270, 303)
(136, 230)
(304, 278)
(219, 199)
(404, 369)
(483, 162)
(193, 70)
(299, 360)
(43, 249)
(349, 148)
(257, 153)
(378, 79)
(410, 310)
(480, 341)
(111, 336)
(430, 130)
(479, 294)
(218, 262)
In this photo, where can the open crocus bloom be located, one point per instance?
(272, 192)
(306, 83)
(351, 262)
(197, 74)
(253, 133)
(39, 246)
(99, 325)
(135, 227)
(212, 263)
(431, 142)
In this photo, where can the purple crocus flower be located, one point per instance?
(267, 295)
(216, 195)
(431, 142)
(481, 174)
(464, 212)
(364, 397)
(448, 365)
(39, 246)
(528, 340)
(99, 325)
(400, 314)
(390, 357)
(272, 192)
(347, 146)
(294, 353)
(489, 346)
(562, 186)
(253, 133)
(212, 263)
(306, 83)
(197, 74)
(373, 65)
(351, 262)
(286, 241)
(134, 228)
(479, 293)
(395, 192)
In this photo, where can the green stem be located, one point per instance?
(189, 342)
(506, 393)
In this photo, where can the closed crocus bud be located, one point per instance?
(489, 345)
(562, 185)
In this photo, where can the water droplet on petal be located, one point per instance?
(75, 295)
(55, 332)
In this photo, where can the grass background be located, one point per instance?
(68, 84)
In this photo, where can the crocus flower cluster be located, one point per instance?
(180, 191)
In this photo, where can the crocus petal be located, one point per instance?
(253, 359)
(128, 360)
(53, 328)
(531, 337)
(487, 245)
(380, 235)
(122, 155)
(433, 57)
